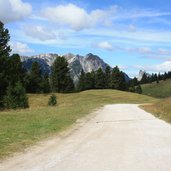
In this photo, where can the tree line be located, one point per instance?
(111, 78)
(155, 77)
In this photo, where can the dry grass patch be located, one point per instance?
(160, 109)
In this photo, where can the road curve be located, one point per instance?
(119, 137)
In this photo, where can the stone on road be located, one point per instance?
(119, 137)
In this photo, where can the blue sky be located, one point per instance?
(131, 34)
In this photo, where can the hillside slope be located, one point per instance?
(160, 90)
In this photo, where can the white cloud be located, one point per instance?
(144, 50)
(75, 17)
(147, 51)
(71, 15)
(20, 48)
(157, 53)
(123, 67)
(13, 10)
(138, 13)
(163, 67)
(105, 45)
(164, 51)
(40, 33)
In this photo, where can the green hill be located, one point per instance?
(160, 90)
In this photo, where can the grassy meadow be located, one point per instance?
(21, 128)
(160, 90)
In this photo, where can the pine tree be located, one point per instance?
(52, 100)
(34, 79)
(93, 75)
(144, 79)
(155, 77)
(132, 89)
(4, 39)
(69, 85)
(15, 71)
(60, 76)
(16, 97)
(152, 78)
(159, 77)
(45, 84)
(135, 81)
(89, 81)
(82, 81)
(138, 89)
(108, 77)
(123, 84)
(115, 78)
(164, 76)
(99, 79)
(169, 74)
(4, 54)
(118, 79)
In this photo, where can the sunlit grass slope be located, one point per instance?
(20, 128)
(161, 90)
(161, 109)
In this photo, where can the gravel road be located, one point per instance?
(119, 137)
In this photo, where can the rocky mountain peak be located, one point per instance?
(90, 56)
(141, 73)
(69, 56)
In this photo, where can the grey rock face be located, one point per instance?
(93, 63)
(141, 73)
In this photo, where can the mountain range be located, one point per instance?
(77, 63)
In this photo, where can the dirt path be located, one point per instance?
(119, 138)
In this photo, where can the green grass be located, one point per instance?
(161, 90)
(21, 128)
(160, 109)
